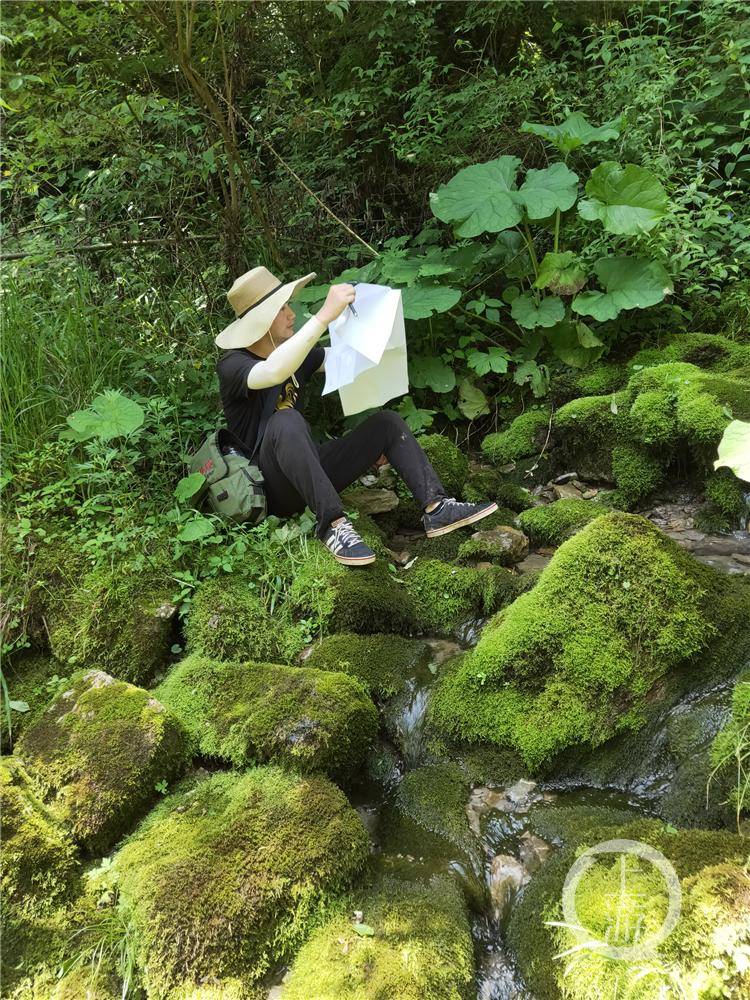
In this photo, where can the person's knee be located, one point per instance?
(392, 423)
(285, 424)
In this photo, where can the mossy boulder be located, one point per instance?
(585, 432)
(449, 462)
(625, 892)
(224, 878)
(382, 662)
(486, 483)
(503, 545)
(338, 598)
(97, 753)
(229, 621)
(39, 859)
(708, 351)
(574, 660)
(118, 619)
(553, 523)
(443, 596)
(420, 947)
(522, 438)
(245, 713)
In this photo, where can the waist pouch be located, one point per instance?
(234, 485)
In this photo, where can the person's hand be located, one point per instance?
(338, 298)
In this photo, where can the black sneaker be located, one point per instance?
(346, 545)
(451, 514)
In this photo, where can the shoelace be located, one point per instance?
(345, 534)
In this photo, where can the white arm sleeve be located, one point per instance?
(287, 357)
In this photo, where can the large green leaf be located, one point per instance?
(110, 415)
(195, 529)
(432, 373)
(472, 402)
(544, 191)
(575, 344)
(526, 313)
(575, 131)
(734, 449)
(630, 283)
(481, 198)
(626, 200)
(422, 301)
(561, 273)
(189, 486)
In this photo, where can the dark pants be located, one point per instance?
(299, 472)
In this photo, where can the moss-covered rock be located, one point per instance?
(39, 859)
(229, 621)
(338, 598)
(224, 879)
(523, 437)
(485, 483)
(574, 660)
(97, 753)
(710, 352)
(503, 545)
(119, 619)
(585, 432)
(448, 461)
(245, 713)
(628, 895)
(420, 948)
(33, 681)
(444, 596)
(382, 662)
(553, 523)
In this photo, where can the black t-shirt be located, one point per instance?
(247, 410)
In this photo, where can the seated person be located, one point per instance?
(260, 393)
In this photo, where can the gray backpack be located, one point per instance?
(233, 486)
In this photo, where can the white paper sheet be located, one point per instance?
(367, 358)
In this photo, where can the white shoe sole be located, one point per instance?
(462, 523)
(352, 561)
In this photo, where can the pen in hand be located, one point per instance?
(354, 311)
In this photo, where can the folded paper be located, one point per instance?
(366, 361)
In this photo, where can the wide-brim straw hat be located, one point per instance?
(256, 298)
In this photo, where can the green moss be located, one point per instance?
(573, 660)
(244, 713)
(97, 753)
(710, 352)
(33, 680)
(636, 472)
(224, 879)
(524, 437)
(448, 461)
(552, 523)
(503, 547)
(434, 797)
(39, 859)
(727, 493)
(229, 621)
(691, 852)
(652, 418)
(117, 618)
(86, 984)
(490, 484)
(341, 599)
(444, 547)
(421, 948)
(382, 662)
(444, 596)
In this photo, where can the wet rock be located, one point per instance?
(503, 545)
(372, 500)
(566, 491)
(535, 562)
(533, 850)
(566, 477)
(517, 798)
(507, 875)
